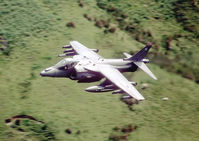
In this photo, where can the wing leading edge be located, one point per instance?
(84, 51)
(118, 79)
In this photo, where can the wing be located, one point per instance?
(84, 51)
(117, 78)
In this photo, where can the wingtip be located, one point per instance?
(141, 99)
(155, 78)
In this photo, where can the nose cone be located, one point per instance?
(49, 72)
(42, 73)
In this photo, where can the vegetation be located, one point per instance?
(31, 36)
(173, 18)
(32, 129)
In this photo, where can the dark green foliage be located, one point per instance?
(32, 76)
(21, 19)
(37, 66)
(122, 133)
(7, 51)
(187, 13)
(25, 88)
(36, 129)
(26, 85)
(165, 11)
(47, 57)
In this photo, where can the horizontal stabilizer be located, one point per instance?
(143, 66)
(127, 55)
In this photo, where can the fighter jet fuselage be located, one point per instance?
(73, 68)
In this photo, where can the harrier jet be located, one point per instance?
(87, 66)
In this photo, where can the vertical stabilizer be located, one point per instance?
(141, 54)
(138, 59)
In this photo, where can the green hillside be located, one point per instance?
(31, 36)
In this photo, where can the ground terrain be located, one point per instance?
(32, 34)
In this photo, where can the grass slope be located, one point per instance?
(62, 103)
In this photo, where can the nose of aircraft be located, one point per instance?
(42, 73)
(50, 72)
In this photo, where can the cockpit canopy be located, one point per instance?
(65, 63)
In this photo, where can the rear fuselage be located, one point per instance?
(121, 64)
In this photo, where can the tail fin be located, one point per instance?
(138, 59)
(141, 54)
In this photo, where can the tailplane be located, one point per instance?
(139, 60)
(144, 67)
